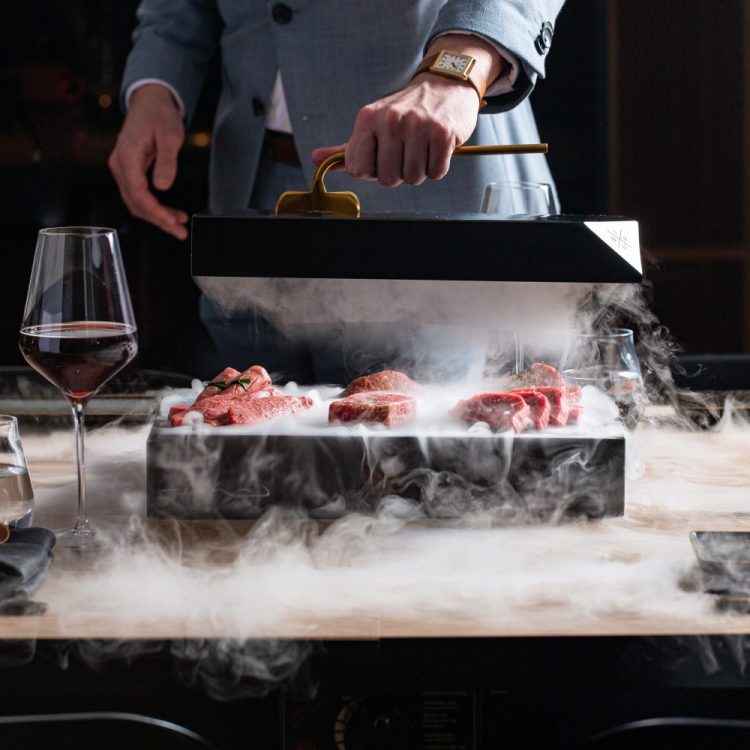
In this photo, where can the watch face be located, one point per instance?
(453, 62)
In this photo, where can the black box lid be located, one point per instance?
(466, 247)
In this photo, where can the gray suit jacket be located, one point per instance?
(336, 56)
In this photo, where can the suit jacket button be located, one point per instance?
(544, 41)
(258, 107)
(281, 13)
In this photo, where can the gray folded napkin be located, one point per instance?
(24, 561)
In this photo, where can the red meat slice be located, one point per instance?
(392, 381)
(543, 375)
(228, 373)
(390, 409)
(258, 378)
(176, 413)
(558, 404)
(252, 409)
(249, 402)
(501, 411)
(264, 408)
(539, 374)
(539, 407)
(213, 408)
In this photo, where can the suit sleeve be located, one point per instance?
(523, 27)
(174, 42)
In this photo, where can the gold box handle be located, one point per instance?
(319, 202)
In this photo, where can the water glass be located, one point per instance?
(16, 495)
(608, 361)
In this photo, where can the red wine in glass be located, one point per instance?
(78, 328)
(78, 357)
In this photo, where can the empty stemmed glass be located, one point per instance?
(518, 200)
(78, 328)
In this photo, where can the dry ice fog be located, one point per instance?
(481, 570)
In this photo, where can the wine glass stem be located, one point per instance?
(520, 355)
(82, 521)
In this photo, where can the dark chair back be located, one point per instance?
(107, 730)
(669, 732)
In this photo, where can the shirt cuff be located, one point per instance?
(507, 80)
(143, 81)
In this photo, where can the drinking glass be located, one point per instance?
(16, 495)
(608, 361)
(78, 328)
(517, 200)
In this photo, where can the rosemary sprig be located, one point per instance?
(222, 385)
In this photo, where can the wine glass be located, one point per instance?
(16, 495)
(518, 200)
(78, 328)
(608, 361)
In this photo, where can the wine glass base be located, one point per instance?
(78, 538)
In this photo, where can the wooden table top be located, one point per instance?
(372, 578)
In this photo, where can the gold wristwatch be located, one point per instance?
(455, 65)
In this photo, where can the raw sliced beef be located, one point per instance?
(235, 397)
(265, 408)
(227, 374)
(543, 375)
(175, 412)
(390, 409)
(558, 404)
(538, 405)
(252, 380)
(501, 411)
(539, 374)
(259, 407)
(213, 408)
(392, 381)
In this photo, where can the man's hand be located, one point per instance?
(152, 134)
(410, 136)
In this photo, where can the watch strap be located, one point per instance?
(472, 77)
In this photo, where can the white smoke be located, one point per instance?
(300, 306)
(288, 578)
(395, 572)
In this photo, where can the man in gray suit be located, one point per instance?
(302, 75)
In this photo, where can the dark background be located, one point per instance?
(642, 107)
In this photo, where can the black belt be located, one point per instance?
(280, 147)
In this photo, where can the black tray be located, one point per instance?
(724, 564)
(723, 553)
(227, 473)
